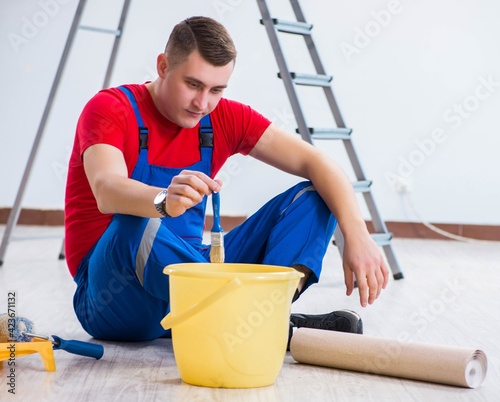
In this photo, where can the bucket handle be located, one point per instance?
(170, 320)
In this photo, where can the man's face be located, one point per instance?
(191, 90)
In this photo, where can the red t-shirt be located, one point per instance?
(109, 119)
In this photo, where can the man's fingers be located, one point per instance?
(187, 189)
(199, 181)
(385, 273)
(369, 286)
(374, 288)
(363, 290)
(348, 280)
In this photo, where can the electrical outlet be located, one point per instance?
(402, 185)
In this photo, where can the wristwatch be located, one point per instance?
(159, 202)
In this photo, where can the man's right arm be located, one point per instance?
(115, 192)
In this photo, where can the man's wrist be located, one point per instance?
(354, 228)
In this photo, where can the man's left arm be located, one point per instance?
(362, 259)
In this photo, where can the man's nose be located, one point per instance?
(201, 100)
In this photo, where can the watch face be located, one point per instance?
(160, 197)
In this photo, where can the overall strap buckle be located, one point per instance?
(206, 132)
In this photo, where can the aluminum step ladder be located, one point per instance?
(322, 80)
(75, 26)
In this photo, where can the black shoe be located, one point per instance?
(341, 320)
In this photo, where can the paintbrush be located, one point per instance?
(217, 236)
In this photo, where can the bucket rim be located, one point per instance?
(186, 270)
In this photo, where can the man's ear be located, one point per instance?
(162, 65)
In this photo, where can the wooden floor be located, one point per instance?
(420, 306)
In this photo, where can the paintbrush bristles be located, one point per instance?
(217, 249)
(217, 235)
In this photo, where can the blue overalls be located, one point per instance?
(122, 293)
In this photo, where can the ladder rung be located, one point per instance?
(317, 80)
(293, 27)
(115, 32)
(330, 133)
(362, 186)
(382, 239)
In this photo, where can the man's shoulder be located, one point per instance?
(225, 103)
(117, 95)
(238, 111)
(229, 107)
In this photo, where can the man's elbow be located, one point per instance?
(102, 194)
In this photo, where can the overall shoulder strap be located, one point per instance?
(143, 130)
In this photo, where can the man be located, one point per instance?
(141, 171)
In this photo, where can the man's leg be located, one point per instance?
(122, 293)
(293, 229)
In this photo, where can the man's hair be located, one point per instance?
(204, 34)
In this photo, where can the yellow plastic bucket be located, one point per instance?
(229, 322)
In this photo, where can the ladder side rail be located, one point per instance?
(284, 72)
(339, 240)
(353, 157)
(378, 223)
(392, 261)
(332, 102)
(318, 65)
(116, 43)
(16, 208)
(330, 97)
(297, 10)
(311, 47)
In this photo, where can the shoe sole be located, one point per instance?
(356, 324)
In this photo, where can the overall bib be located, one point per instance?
(122, 293)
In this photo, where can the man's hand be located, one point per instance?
(187, 189)
(363, 262)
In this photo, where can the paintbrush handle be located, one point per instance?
(216, 207)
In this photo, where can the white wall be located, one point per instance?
(411, 78)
